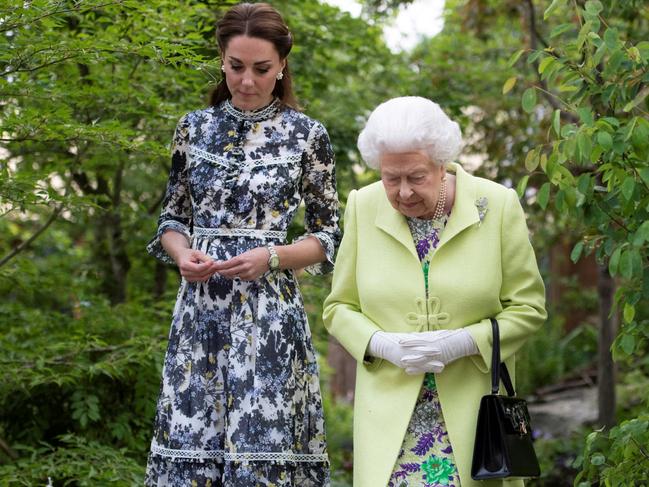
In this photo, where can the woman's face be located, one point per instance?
(251, 66)
(412, 182)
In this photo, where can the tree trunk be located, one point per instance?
(343, 365)
(605, 364)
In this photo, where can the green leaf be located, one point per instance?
(543, 65)
(509, 84)
(522, 186)
(610, 38)
(560, 29)
(627, 262)
(532, 160)
(544, 195)
(597, 459)
(629, 312)
(642, 234)
(529, 100)
(576, 252)
(553, 6)
(627, 343)
(556, 122)
(583, 183)
(594, 6)
(644, 174)
(585, 115)
(512, 60)
(639, 98)
(605, 140)
(627, 187)
(613, 264)
(585, 147)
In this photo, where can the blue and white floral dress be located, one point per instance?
(240, 400)
(426, 456)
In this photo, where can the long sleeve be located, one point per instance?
(342, 315)
(522, 293)
(321, 199)
(176, 211)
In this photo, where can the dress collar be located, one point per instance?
(258, 115)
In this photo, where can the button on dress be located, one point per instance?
(240, 401)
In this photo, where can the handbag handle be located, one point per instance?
(499, 369)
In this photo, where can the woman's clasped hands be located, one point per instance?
(422, 352)
(196, 266)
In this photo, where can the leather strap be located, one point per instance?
(499, 369)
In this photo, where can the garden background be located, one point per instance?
(552, 100)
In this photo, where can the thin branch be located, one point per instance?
(36, 68)
(4, 446)
(534, 37)
(642, 450)
(16, 25)
(31, 239)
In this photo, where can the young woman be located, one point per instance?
(240, 402)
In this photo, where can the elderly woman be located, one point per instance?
(429, 254)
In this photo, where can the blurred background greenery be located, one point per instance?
(552, 100)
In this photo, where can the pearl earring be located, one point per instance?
(279, 76)
(223, 67)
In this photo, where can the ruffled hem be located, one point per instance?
(163, 471)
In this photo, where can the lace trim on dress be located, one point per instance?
(240, 232)
(218, 160)
(226, 163)
(221, 455)
(255, 115)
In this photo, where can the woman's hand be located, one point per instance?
(194, 265)
(248, 266)
(388, 346)
(430, 348)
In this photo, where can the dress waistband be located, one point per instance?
(239, 232)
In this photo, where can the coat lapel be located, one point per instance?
(464, 212)
(394, 224)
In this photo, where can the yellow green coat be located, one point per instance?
(484, 266)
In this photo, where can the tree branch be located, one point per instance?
(4, 446)
(37, 234)
(534, 37)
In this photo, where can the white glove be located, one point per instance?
(389, 346)
(430, 348)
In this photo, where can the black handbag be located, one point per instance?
(503, 439)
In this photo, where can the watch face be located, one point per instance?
(273, 262)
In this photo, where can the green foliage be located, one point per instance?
(551, 355)
(596, 161)
(617, 457)
(76, 461)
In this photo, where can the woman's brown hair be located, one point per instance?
(264, 22)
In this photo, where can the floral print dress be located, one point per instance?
(240, 402)
(426, 457)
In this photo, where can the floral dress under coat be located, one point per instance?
(240, 402)
(426, 456)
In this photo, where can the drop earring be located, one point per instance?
(279, 76)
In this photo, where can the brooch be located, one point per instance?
(481, 204)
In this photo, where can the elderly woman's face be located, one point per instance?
(412, 182)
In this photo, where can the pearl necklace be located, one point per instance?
(441, 202)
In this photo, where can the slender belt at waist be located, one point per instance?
(240, 232)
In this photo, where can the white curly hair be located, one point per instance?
(407, 124)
